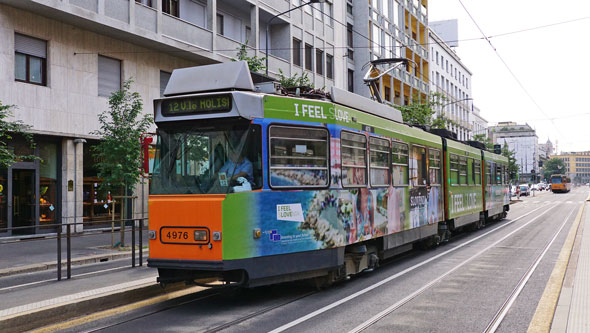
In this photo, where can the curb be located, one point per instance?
(75, 262)
(34, 319)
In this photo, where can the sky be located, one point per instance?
(552, 63)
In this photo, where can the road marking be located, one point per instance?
(405, 271)
(499, 317)
(413, 295)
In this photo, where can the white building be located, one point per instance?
(523, 140)
(450, 78)
(61, 59)
(478, 124)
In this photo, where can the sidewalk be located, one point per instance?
(572, 313)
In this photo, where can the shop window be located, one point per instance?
(30, 60)
(109, 76)
(298, 156)
(48, 152)
(354, 159)
(97, 206)
(399, 163)
(3, 200)
(379, 161)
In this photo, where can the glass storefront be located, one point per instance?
(97, 206)
(48, 184)
(3, 201)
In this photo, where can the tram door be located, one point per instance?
(23, 200)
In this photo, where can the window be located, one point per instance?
(319, 61)
(454, 169)
(434, 166)
(308, 57)
(30, 60)
(462, 170)
(437, 57)
(349, 8)
(170, 7)
(354, 159)
(477, 172)
(418, 166)
(145, 2)
(220, 24)
(350, 80)
(499, 173)
(164, 78)
(488, 173)
(298, 157)
(399, 163)
(296, 52)
(109, 76)
(329, 66)
(379, 162)
(349, 41)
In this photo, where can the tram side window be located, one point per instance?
(462, 170)
(470, 171)
(477, 172)
(454, 169)
(499, 175)
(399, 163)
(489, 173)
(418, 166)
(434, 166)
(354, 159)
(298, 156)
(379, 161)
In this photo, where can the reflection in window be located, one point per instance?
(477, 172)
(354, 159)
(434, 166)
(399, 163)
(454, 159)
(298, 156)
(379, 152)
(462, 170)
(418, 166)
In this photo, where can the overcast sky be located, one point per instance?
(552, 63)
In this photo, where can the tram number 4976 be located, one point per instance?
(177, 235)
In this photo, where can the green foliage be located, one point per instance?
(512, 166)
(554, 166)
(255, 63)
(119, 151)
(422, 112)
(484, 140)
(294, 81)
(7, 131)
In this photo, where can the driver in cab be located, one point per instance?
(237, 166)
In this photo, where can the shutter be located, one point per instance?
(31, 46)
(164, 78)
(109, 76)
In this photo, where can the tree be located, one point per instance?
(512, 166)
(7, 131)
(255, 63)
(119, 151)
(422, 112)
(482, 138)
(554, 166)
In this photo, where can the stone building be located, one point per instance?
(523, 140)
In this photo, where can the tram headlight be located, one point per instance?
(201, 235)
(152, 234)
(216, 236)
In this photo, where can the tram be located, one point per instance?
(256, 187)
(560, 183)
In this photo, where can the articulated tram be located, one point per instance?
(256, 187)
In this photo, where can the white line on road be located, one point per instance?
(384, 281)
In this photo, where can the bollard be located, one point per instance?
(69, 252)
(133, 243)
(59, 253)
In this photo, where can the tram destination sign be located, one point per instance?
(197, 105)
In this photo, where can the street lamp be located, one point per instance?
(279, 14)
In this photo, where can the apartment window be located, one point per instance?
(170, 7)
(109, 76)
(319, 61)
(308, 57)
(329, 66)
(220, 24)
(30, 59)
(164, 78)
(145, 2)
(350, 80)
(296, 52)
(349, 8)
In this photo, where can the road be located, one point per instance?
(487, 280)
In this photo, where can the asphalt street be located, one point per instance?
(459, 286)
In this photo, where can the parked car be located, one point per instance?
(525, 190)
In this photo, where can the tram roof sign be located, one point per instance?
(217, 77)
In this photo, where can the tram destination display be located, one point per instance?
(197, 105)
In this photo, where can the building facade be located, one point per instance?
(577, 166)
(393, 29)
(451, 79)
(478, 124)
(61, 59)
(523, 141)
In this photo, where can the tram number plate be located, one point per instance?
(179, 235)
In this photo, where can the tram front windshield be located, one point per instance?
(214, 159)
(556, 180)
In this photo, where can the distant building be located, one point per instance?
(577, 165)
(478, 124)
(523, 140)
(450, 78)
(546, 149)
